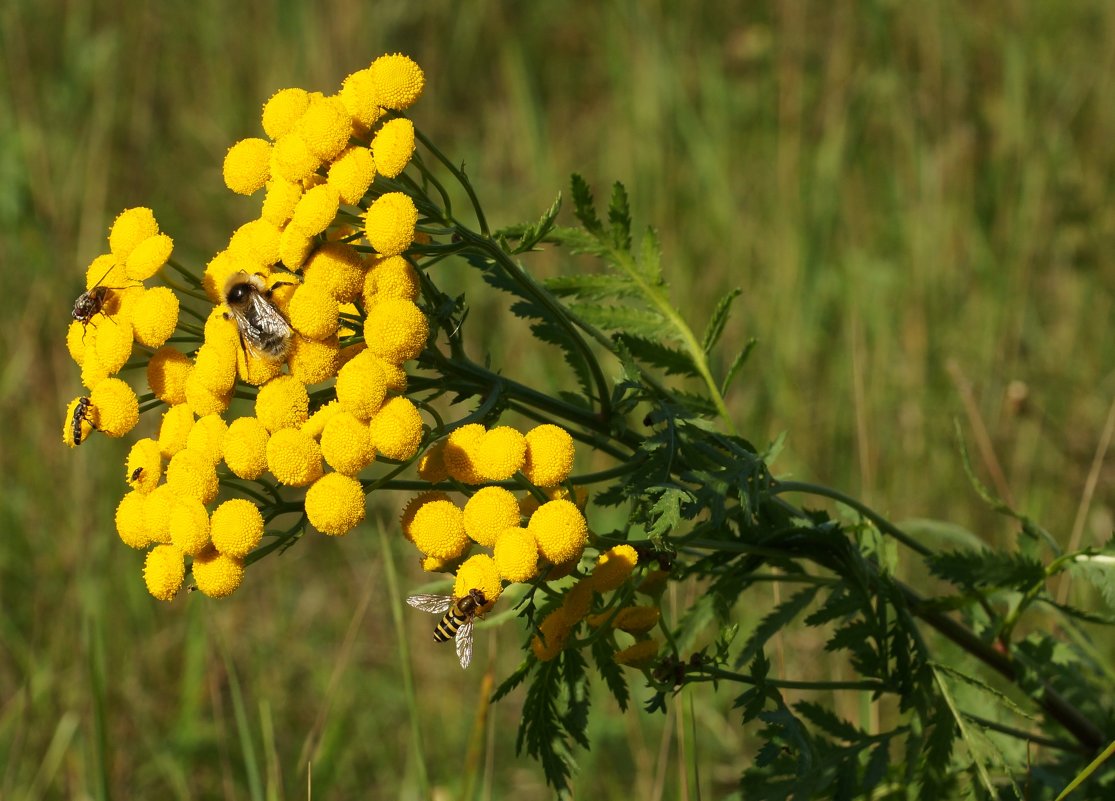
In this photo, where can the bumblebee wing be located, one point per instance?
(464, 643)
(268, 318)
(434, 604)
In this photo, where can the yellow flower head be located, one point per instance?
(636, 619)
(315, 424)
(346, 444)
(560, 529)
(358, 93)
(156, 513)
(316, 209)
(613, 568)
(215, 367)
(294, 247)
(641, 655)
(335, 504)
(282, 403)
(390, 277)
(459, 453)
(479, 572)
(337, 268)
(528, 504)
(431, 564)
(145, 462)
(500, 454)
(549, 457)
(163, 571)
(174, 429)
(192, 475)
(115, 406)
(313, 311)
(490, 512)
(201, 399)
(245, 448)
(148, 257)
(130, 228)
(412, 507)
(438, 529)
(577, 600)
(314, 360)
(431, 465)
(247, 166)
(393, 146)
(93, 370)
(113, 344)
(283, 110)
(207, 437)
(217, 272)
(396, 429)
(217, 575)
(292, 159)
(389, 223)
(166, 375)
(361, 386)
(552, 635)
(256, 242)
(279, 201)
(352, 173)
(396, 330)
(654, 584)
(75, 341)
(236, 527)
(398, 81)
(516, 554)
(85, 426)
(131, 520)
(325, 126)
(155, 316)
(258, 370)
(189, 525)
(294, 457)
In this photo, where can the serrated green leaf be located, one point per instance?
(619, 215)
(649, 264)
(610, 672)
(628, 319)
(656, 354)
(984, 567)
(775, 621)
(532, 234)
(592, 286)
(512, 681)
(736, 365)
(583, 206)
(719, 319)
(829, 721)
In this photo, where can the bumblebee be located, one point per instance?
(458, 615)
(263, 329)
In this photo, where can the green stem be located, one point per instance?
(462, 179)
(709, 673)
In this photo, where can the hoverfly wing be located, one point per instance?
(464, 643)
(434, 604)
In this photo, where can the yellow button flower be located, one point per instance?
(431, 564)
(396, 330)
(316, 209)
(131, 521)
(431, 465)
(148, 257)
(166, 375)
(279, 201)
(335, 504)
(236, 527)
(641, 655)
(636, 619)
(352, 173)
(283, 110)
(192, 475)
(256, 242)
(361, 386)
(314, 311)
(549, 458)
(459, 453)
(396, 429)
(85, 427)
(217, 272)
(479, 572)
(337, 268)
(390, 277)
(314, 360)
(245, 448)
(174, 429)
(438, 529)
(315, 424)
(293, 457)
(516, 554)
(358, 93)
(398, 81)
(389, 223)
(295, 247)
(216, 574)
(115, 406)
(346, 444)
(577, 600)
(282, 403)
(155, 316)
(393, 146)
(247, 166)
(189, 525)
(201, 399)
(500, 454)
(163, 572)
(552, 635)
(113, 344)
(560, 529)
(145, 463)
(131, 227)
(394, 375)
(207, 436)
(93, 370)
(490, 512)
(156, 513)
(258, 370)
(325, 126)
(292, 159)
(75, 341)
(412, 507)
(215, 367)
(613, 568)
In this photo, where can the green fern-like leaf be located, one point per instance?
(584, 207)
(612, 673)
(719, 319)
(670, 360)
(629, 319)
(619, 215)
(775, 621)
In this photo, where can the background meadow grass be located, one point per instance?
(916, 198)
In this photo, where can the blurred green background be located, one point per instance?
(916, 198)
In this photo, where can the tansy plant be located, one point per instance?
(312, 362)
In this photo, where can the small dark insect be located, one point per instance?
(135, 475)
(91, 302)
(263, 329)
(458, 617)
(81, 412)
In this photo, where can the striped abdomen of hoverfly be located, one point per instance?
(462, 611)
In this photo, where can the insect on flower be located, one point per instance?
(81, 412)
(263, 329)
(458, 617)
(92, 301)
(136, 474)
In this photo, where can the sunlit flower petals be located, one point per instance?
(516, 554)
(337, 268)
(335, 504)
(499, 454)
(560, 530)
(406, 519)
(325, 127)
(236, 527)
(131, 522)
(397, 429)
(175, 429)
(292, 159)
(479, 572)
(282, 403)
(189, 525)
(280, 200)
(163, 571)
(431, 465)
(352, 173)
(313, 311)
(393, 146)
(490, 512)
(315, 424)
(398, 81)
(113, 344)
(389, 223)
(201, 399)
(247, 166)
(549, 456)
(294, 247)
(437, 528)
(396, 330)
(613, 568)
(459, 453)
(314, 360)
(256, 242)
(358, 93)
(156, 513)
(361, 386)
(130, 227)
(283, 110)
(258, 370)
(148, 257)
(217, 272)
(144, 466)
(294, 457)
(245, 448)
(155, 316)
(346, 444)
(316, 209)
(217, 575)
(115, 407)
(390, 277)
(192, 475)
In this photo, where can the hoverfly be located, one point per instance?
(458, 617)
(81, 413)
(263, 329)
(92, 301)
